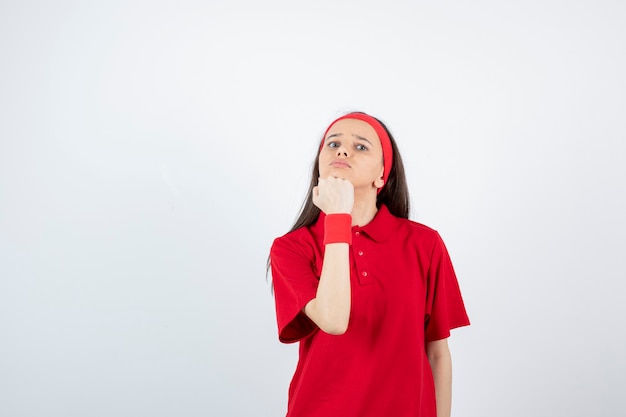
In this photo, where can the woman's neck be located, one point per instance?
(364, 209)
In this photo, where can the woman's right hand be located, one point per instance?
(333, 195)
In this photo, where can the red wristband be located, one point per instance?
(338, 228)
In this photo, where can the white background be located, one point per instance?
(150, 152)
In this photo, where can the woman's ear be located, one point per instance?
(380, 181)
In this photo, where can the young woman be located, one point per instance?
(370, 295)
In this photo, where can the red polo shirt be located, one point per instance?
(404, 294)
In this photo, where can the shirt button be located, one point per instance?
(360, 253)
(364, 273)
(357, 233)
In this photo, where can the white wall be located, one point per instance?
(151, 151)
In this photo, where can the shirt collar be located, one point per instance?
(379, 229)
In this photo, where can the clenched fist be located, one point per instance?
(333, 195)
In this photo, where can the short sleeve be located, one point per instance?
(445, 309)
(295, 284)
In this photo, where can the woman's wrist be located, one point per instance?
(338, 228)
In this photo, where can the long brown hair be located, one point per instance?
(394, 194)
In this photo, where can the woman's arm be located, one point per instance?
(441, 365)
(330, 309)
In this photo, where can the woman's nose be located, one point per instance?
(341, 151)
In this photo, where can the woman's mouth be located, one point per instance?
(340, 164)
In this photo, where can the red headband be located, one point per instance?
(382, 135)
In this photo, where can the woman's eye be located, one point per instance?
(361, 147)
(332, 144)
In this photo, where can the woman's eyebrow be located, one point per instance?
(356, 136)
(362, 138)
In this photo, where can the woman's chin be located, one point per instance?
(337, 173)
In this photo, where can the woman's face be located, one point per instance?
(352, 151)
